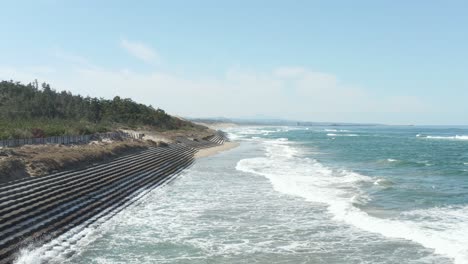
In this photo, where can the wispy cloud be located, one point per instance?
(139, 50)
(73, 60)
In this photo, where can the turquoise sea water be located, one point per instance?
(359, 194)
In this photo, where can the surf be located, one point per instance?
(343, 192)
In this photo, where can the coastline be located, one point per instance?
(31, 161)
(118, 182)
(202, 153)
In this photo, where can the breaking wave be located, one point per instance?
(442, 229)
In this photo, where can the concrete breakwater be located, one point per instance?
(41, 209)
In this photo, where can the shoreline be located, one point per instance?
(202, 153)
(118, 183)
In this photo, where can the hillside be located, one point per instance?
(29, 111)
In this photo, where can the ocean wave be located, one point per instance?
(233, 136)
(342, 135)
(341, 190)
(456, 137)
(254, 131)
(404, 163)
(292, 174)
(383, 182)
(247, 132)
(336, 130)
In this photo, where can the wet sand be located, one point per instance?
(215, 150)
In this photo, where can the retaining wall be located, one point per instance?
(38, 210)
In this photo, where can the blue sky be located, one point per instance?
(395, 62)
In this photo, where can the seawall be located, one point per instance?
(40, 209)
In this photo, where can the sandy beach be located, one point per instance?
(215, 150)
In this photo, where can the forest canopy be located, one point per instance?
(33, 111)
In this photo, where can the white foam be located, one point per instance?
(305, 177)
(341, 190)
(383, 182)
(336, 130)
(392, 160)
(234, 136)
(456, 137)
(342, 135)
(254, 131)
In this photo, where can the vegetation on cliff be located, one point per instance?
(32, 111)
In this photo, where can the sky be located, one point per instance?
(391, 62)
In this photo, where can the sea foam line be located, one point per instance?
(342, 135)
(456, 137)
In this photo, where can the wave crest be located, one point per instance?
(456, 137)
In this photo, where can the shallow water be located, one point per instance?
(298, 195)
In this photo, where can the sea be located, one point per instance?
(295, 194)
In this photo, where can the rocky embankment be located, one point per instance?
(39, 209)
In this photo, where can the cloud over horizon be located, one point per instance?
(139, 50)
(284, 92)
